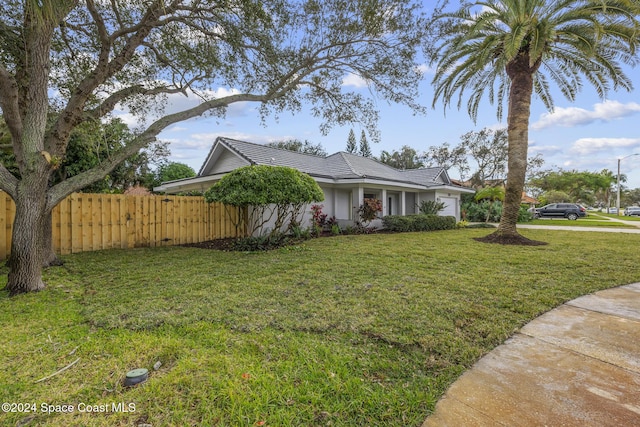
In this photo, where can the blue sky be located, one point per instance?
(587, 135)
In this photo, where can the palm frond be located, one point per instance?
(566, 42)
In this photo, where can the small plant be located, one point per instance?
(336, 230)
(430, 207)
(462, 224)
(368, 211)
(357, 228)
(318, 218)
(300, 233)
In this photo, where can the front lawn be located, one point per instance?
(341, 331)
(590, 221)
(615, 216)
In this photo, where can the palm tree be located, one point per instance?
(513, 48)
(492, 194)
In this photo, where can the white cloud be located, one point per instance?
(545, 150)
(128, 118)
(498, 126)
(587, 146)
(574, 116)
(204, 140)
(425, 69)
(353, 80)
(176, 129)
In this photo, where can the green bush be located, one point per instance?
(477, 212)
(419, 222)
(524, 215)
(397, 223)
(276, 192)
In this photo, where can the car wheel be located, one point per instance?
(572, 216)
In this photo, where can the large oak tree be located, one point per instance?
(83, 59)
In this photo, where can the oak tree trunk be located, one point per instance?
(26, 259)
(49, 257)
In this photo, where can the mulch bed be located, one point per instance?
(218, 244)
(227, 244)
(509, 239)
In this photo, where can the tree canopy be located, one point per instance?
(365, 148)
(575, 186)
(406, 158)
(85, 60)
(263, 185)
(480, 156)
(298, 146)
(352, 146)
(172, 171)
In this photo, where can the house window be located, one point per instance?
(389, 209)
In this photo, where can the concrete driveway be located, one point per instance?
(577, 365)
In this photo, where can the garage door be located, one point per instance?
(450, 208)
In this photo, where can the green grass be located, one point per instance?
(622, 217)
(590, 221)
(342, 331)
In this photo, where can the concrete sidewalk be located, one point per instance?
(577, 365)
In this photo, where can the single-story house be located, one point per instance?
(346, 179)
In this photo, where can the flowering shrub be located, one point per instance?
(368, 210)
(321, 222)
(318, 218)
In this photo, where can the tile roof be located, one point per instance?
(340, 165)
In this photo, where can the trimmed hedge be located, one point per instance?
(418, 222)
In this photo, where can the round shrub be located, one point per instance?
(263, 185)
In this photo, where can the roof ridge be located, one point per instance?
(342, 154)
(228, 143)
(273, 148)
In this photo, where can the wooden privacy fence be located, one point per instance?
(90, 222)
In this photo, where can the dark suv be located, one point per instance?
(632, 210)
(560, 210)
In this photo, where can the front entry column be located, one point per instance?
(385, 204)
(356, 201)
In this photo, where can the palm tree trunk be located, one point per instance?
(521, 74)
(518, 139)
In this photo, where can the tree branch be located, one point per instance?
(9, 102)
(110, 102)
(68, 186)
(8, 182)
(74, 110)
